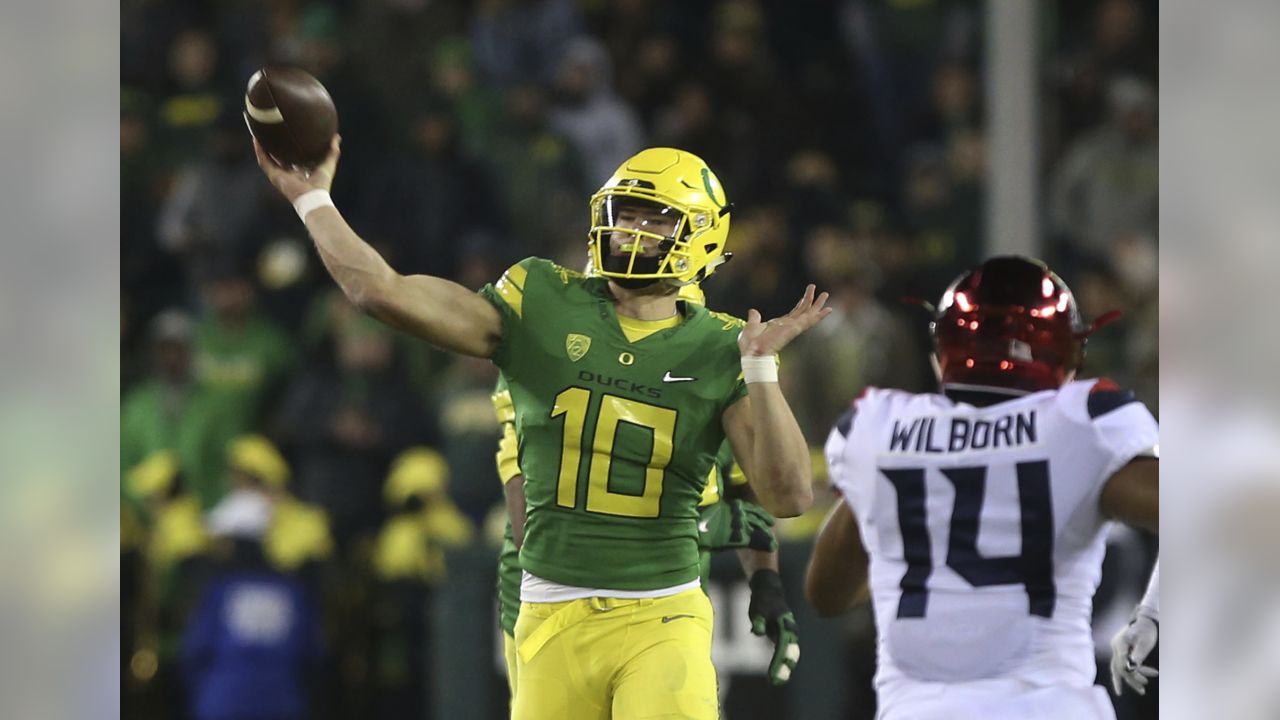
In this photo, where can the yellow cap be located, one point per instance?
(154, 475)
(417, 471)
(257, 456)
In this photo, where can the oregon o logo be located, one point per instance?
(626, 358)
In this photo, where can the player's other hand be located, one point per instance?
(771, 617)
(768, 338)
(294, 181)
(732, 524)
(1129, 649)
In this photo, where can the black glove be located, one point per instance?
(732, 524)
(771, 616)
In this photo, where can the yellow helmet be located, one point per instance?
(674, 184)
(692, 293)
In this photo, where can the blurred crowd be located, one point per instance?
(849, 135)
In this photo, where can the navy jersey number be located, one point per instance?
(1033, 568)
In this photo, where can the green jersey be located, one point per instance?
(615, 438)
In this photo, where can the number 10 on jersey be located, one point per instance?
(572, 404)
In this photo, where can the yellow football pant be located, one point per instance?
(509, 652)
(602, 658)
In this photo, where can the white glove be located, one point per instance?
(1129, 649)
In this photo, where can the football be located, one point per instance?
(291, 115)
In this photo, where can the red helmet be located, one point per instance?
(1009, 323)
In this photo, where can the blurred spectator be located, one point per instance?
(945, 220)
(955, 103)
(1108, 184)
(424, 520)
(757, 276)
(896, 48)
(297, 540)
(522, 40)
(427, 199)
(346, 415)
(241, 358)
(468, 432)
(169, 411)
(174, 555)
(863, 343)
(541, 176)
(409, 560)
(253, 645)
(603, 129)
(1119, 41)
(152, 277)
(476, 106)
(194, 96)
(215, 208)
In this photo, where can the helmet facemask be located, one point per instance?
(639, 239)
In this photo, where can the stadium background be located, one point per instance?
(851, 135)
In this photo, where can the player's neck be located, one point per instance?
(643, 304)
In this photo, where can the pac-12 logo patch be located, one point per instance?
(576, 346)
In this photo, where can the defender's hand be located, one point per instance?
(771, 616)
(768, 338)
(731, 524)
(294, 181)
(1129, 649)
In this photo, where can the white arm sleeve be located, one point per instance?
(1151, 600)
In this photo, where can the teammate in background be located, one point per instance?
(725, 524)
(978, 515)
(617, 431)
(1131, 646)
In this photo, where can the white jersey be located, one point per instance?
(983, 528)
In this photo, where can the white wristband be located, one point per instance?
(759, 368)
(310, 200)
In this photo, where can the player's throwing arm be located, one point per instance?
(439, 311)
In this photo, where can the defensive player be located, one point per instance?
(978, 514)
(616, 436)
(1135, 641)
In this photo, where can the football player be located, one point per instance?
(977, 515)
(1135, 641)
(623, 398)
(735, 523)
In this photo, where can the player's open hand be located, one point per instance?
(294, 181)
(1129, 650)
(768, 338)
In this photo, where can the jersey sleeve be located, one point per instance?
(507, 295)
(834, 450)
(1125, 427)
(507, 456)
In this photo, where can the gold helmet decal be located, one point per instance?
(662, 216)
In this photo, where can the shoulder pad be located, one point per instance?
(1105, 396)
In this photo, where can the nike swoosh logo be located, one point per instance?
(702, 527)
(669, 618)
(672, 378)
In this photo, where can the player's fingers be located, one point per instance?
(820, 301)
(264, 161)
(1148, 671)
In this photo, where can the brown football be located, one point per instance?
(291, 115)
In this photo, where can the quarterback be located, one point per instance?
(616, 436)
(725, 523)
(977, 515)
